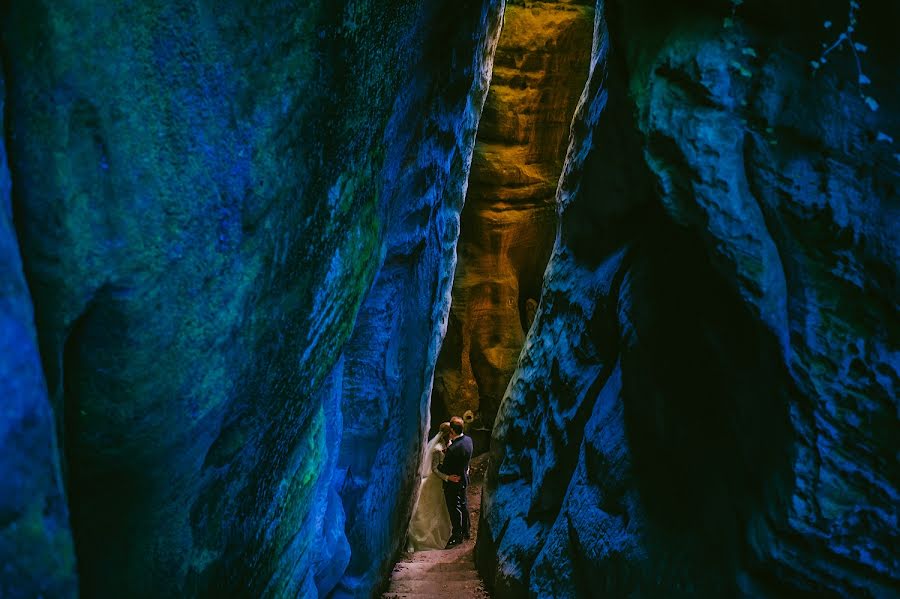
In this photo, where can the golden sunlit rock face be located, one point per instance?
(509, 219)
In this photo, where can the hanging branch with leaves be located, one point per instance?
(845, 40)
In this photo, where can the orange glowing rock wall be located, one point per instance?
(509, 220)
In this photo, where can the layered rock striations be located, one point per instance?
(706, 404)
(205, 196)
(509, 219)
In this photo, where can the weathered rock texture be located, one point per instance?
(706, 405)
(236, 222)
(509, 219)
(388, 364)
(36, 549)
(205, 194)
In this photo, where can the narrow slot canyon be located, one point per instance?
(508, 223)
(253, 254)
(507, 228)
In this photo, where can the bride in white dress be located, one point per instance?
(430, 524)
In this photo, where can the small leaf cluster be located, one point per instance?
(845, 40)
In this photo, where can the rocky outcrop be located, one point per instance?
(35, 542)
(509, 219)
(388, 363)
(706, 404)
(206, 194)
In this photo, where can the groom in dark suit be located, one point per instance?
(456, 467)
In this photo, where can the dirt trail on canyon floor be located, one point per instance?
(444, 572)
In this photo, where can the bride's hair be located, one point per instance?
(445, 430)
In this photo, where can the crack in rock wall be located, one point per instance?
(211, 201)
(35, 541)
(509, 219)
(706, 404)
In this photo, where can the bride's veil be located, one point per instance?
(425, 470)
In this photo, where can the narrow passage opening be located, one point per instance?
(507, 232)
(509, 220)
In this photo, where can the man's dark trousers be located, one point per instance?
(456, 462)
(455, 496)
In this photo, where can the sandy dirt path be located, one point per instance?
(447, 572)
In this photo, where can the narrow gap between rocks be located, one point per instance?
(507, 232)
(509, 220)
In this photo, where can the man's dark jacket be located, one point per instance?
(456, 460)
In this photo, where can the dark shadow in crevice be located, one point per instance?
(106, 485)
(706, 409)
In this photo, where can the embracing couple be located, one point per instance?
(441, 516)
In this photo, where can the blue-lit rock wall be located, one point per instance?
(390, 358)
(228, 231)
(36, 549)
(706, 404)
(205, 195)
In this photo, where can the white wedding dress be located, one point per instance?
(430, 524)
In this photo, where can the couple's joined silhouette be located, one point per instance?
(441, 516)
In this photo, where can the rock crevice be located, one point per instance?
(509, 218)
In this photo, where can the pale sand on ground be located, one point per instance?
(444, 572)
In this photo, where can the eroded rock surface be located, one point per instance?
(205, 194)
(388, 363)
(509, 219)
(707, 402)
(237, 222)
(36, 550)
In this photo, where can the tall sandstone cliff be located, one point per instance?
(212, 201)
(706, 405)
